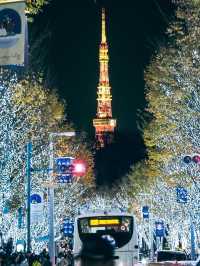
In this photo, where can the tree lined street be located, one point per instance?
(58, 186)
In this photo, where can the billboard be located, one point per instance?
(12, 32)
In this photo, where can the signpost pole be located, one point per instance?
(28, 175)
(192, 235)
(51, 206)
(51, 244)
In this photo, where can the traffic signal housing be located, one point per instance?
(195, 158)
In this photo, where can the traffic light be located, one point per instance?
(195, 158)
(68, 227)
(79, 167)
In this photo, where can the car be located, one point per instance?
(171, 255)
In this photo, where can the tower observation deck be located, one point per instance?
(104, 123)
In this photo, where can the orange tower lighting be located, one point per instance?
(104, 123)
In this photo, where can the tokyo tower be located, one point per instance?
(104, 123)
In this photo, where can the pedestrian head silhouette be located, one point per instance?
(96, 252)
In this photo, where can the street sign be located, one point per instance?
(63, 165)
(63, 179)
(68, 227)
(20, 245)
(35, 198)
(37, 207)
(160, 230)
(145, 212)
(63, 169)
(182, 195)
(42, 238)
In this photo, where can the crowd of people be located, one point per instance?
(8, 257)
(96, 252)
(32, 259)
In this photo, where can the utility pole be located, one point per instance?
(192, 235)
(28, 176)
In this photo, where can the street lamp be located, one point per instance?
(51, 193)
(70, 167)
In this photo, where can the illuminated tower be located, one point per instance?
(104, 123)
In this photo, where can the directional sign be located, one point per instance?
(182, 195)
(63, 179)
(63, 165)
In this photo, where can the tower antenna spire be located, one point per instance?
(103, 26)
(104, 123)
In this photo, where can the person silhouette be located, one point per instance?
(3, 31)
(96, 252)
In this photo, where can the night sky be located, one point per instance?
(135, 29)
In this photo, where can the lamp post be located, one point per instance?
(51, 193)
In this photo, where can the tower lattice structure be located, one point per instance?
(104, 123)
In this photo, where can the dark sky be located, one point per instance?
(134, 29)
(70, 31)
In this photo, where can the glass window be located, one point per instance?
(120, 228)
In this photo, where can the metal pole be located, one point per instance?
(51, 194)
(51, 206)
(192, 239)
(151, 237)
(28, 174)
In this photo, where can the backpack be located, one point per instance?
(36, 263)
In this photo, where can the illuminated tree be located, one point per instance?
(29, 112)
(172, 92)
(35, 6)
(173, 96)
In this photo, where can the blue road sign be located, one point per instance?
(68, 227)
(182, 195)
(63, 165)
(35, 198)
(160, 230)
(64, 179)
(42, 238)
(145, 212)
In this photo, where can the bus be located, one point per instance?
(120, 227)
